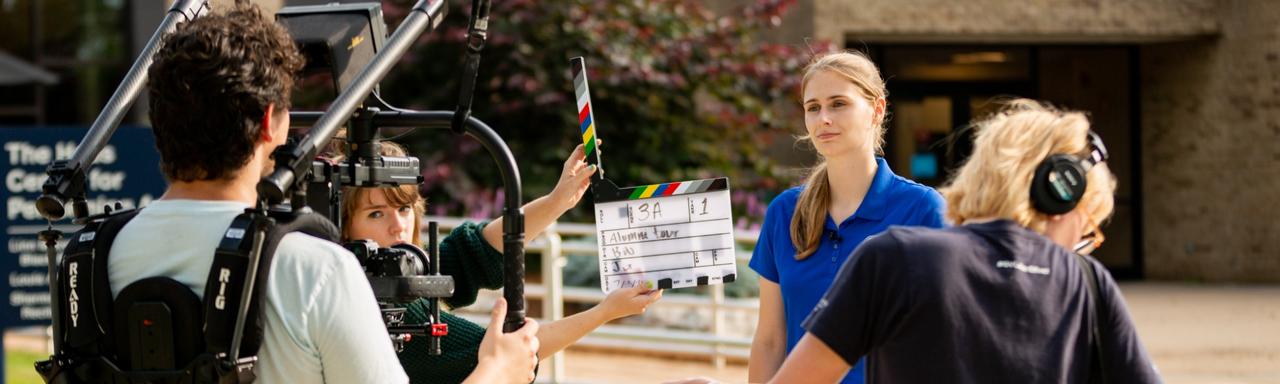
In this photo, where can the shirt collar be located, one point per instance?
(876, 202)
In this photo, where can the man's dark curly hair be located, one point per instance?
(210, 86)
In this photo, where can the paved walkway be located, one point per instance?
(1209, 334)
(1198, 334)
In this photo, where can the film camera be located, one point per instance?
(402, 274)
(338, 41)
(348, 43)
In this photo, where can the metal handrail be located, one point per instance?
(553, 249)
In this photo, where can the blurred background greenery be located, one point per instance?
(19, 366)
(678, 93)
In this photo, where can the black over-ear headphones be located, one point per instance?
(1059, 182)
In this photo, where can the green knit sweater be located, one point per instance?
(474, 265)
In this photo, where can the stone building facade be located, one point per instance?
(1186, 92)
(1202, 115)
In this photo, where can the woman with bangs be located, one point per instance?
(810, 230)
(1002, 297)
(472, 254)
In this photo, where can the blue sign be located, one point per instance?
(126, 171)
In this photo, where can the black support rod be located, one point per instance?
(50, 238)
(273, 188)
(66, 179)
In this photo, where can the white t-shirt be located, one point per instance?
(322, 322)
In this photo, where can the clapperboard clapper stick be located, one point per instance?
(662, 236)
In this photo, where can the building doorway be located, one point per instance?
(936, 90)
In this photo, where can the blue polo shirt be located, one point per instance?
(890, 200)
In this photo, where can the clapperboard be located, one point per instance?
(669, 235)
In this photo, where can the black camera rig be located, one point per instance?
(403, 272)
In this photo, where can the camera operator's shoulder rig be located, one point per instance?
(149, 333)
(156, 329)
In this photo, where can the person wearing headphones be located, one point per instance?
(1002, 297)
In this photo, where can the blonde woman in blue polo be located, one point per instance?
(810, 230)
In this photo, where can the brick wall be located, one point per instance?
(1211, 136)
(1006, 20)
(1210, 108)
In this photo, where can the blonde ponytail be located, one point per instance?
(811, 212)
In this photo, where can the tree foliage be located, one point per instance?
(678, 93)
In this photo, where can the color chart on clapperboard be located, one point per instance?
(668, 235)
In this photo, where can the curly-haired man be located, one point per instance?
(220, 89)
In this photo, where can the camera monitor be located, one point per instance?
(336, 39)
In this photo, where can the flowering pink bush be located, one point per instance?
(678, 93)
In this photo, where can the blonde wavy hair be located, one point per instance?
(815, 199)
(996, 179)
